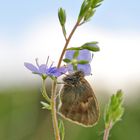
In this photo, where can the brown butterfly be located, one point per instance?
(78, 102)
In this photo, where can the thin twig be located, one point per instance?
(67, 43)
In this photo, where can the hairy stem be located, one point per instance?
(53, 95)
(106, 131)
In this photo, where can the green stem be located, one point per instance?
(106, 131)
(54, 112)
(44, 92)
(64, 32)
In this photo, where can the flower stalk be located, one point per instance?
(54, 112)
(44, 92)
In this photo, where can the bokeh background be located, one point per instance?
(30, 29)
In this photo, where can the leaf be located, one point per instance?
(66, 60)
(83, 62)
(62, 19)
(114, 109)
(61, 129)
(74, 48)
(62, 16)
(91, 46)
(83, 9)
(45, 105)
(88, 15)
(75, 55)
(88, 9)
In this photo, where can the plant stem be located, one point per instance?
(106, 131)
(44, 93)
(53, 94)
(67, 43)
(53, 111)
(64, 32)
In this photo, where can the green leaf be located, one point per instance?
(119, 94)
(61, 129)
(84, 7)
(62, 19)
(91, 46)
(66, 60)
(88, 9)
(74, 48)
(83, 62)
(114, 109)
(45, 105)
(76, 53)
(88, 15)
(62, 16)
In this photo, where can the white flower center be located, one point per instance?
(74, 61)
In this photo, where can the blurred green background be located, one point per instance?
(21, 118)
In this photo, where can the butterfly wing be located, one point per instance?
(79, 104)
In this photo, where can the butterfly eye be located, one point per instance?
(69, 78)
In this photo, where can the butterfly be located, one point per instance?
(78, 101)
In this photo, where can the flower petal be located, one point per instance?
(60, 71)
(50, 71)
(69, 54)
(86, 68)
(43, 69)
(31, 67)
(84, 55)
(63, 69)
(70, 68)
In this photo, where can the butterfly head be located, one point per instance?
(74, 78)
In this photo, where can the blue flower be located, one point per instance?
(60, 71)
(81, 60)
(44, 71)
